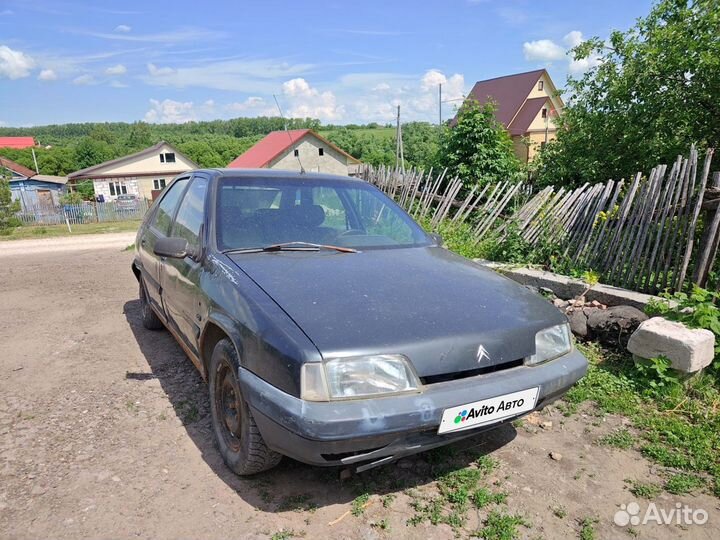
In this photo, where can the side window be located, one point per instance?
(191, 214)
(166, 209)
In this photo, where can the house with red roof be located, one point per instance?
(296, 149)
(17, 143)
(527, 105)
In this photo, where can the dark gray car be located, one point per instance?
(331, 328)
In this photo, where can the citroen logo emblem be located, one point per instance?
(482, 354)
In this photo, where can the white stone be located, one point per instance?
(689, 350)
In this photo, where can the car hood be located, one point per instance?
(442, 311)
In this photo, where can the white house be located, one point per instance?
(286, 150)
(138, 174)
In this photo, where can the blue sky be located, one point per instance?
(173, 61)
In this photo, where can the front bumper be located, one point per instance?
(386, 428)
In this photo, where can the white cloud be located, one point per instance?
(14, 64)
(543, 50)
(374, 97)
(84, 80)
(573, 39)
(257, 76)
(159, 71)
(547, 51)
(118, 84)
(47, 75)
(173, 36)
(252, 106)
(579, 66)
(124, 28)
(306, 101)
(170, 111)
(355, 97)
(119, 69)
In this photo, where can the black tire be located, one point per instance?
(236, 434)
(149, 319)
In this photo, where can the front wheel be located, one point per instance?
(238, 438)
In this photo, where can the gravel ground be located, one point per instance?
(104, 433)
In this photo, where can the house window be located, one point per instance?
(159, 183)
(296, 152)
(544, 113)
(541, 85)
(117, 188)
(321, 151)
(162, 158)
(170, 157)
(542, 144)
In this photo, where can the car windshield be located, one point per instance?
(260, 212)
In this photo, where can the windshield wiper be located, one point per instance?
(292, 246)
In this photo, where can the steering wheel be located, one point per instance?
(351, 232)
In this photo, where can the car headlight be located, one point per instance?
(550, 343)
(358, 377)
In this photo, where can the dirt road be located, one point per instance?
(104, 433)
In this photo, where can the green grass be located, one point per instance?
(587, 528)
(501, 526)
(357, 508)
(619, 439)
(678, 425)
(559, 511)
(645, 490)
(457, 490)
(52, 231)
(679, 484)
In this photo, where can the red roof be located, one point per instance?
(272, 145)
(527, 114)
(267, 148)
(508, 92)
(17, 142)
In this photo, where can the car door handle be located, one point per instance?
(142, 242)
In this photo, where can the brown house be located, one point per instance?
(527, 104)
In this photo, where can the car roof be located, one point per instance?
(261, 174)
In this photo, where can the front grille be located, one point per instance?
(444, 377)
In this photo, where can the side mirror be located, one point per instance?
(175, 248)
(437, 238)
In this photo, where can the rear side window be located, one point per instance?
(191, 214)
(166, 209)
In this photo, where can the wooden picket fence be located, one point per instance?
(656, 232)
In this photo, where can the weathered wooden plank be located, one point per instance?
(693, 220)
(708, 245)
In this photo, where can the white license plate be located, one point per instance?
(487, 411)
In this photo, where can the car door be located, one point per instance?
(159, 226)
(180, 278)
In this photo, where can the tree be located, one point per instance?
(421, 142)
(654, 90)
(86, 190)
(478, 149)
(8, 207)
(89, 152)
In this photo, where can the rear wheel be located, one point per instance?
(238, 438)
(149, 319)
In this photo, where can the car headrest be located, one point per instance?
(307, 215)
